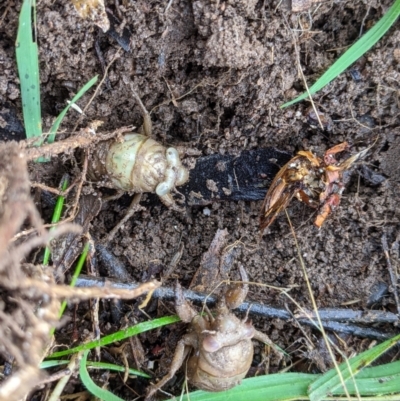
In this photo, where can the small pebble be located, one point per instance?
(206, 211)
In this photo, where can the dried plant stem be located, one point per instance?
(64, 291)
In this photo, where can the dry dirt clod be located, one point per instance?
(302, 5)
(208, 271)
(93, 10)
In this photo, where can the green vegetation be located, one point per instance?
(56, 215)
(119, 335)
(91, 386)
(357, 50)
(27, 56)
(95, 365)
(28, 69)
(373, 383)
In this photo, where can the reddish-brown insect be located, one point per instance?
(315, 181)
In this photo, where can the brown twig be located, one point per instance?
(3, 17)
(52, 190)
(83, 139)
(79, 189)
(297, 53)
(116, 55)
(392, 273)
(269, 312)
(65, 291)
(55, 376)
(133, 208)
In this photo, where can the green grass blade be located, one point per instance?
(56, 215)
(91, 386)
(26, 50)
(379, 382)
(119, 335)
(285, 386)
(354, 52)
(95, 365)
(116, 368)
(382, 380)
(330, 381)
(56, 124)
(77, 272)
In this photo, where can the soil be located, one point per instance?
(214, 74)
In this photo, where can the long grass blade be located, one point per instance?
(92, 387)
(57, 122)
(26, 50)
(354, 52)
(56, 215)
(95, 365)
(77, 272)
(330, 381)
(378, 382)
(119, 335)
